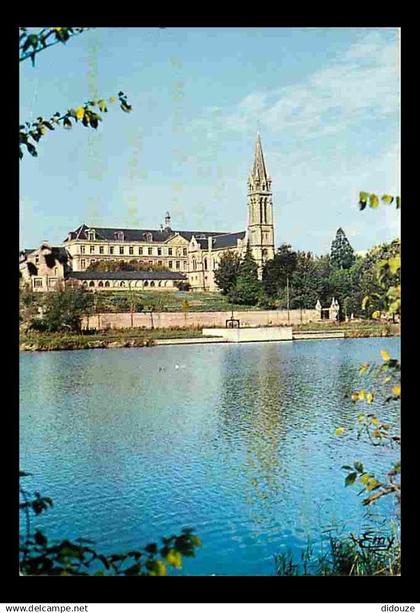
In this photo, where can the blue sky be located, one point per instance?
(325, 100)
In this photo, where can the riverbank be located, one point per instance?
(55, 341)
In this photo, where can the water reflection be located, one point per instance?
(235, 440)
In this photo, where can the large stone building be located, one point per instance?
(189, 256)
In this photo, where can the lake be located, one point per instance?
(234, 440)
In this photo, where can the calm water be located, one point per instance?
(236, 441)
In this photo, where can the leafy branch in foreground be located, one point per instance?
(39, 556)
(373, 200)
(31, 43)
(88, 115)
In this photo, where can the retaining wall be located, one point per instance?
(248, 319)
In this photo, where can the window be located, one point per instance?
(140, 250)
(82, 249)
(52, 281)
(194, 264)
(131, 250)
(82, 263)
(56, 270)
(149, 251)
(122, 284)
(185, 265)
(38, 282)
(160, 262)
(121, 250)
(159, 250)
(170, 263)
(148, 236)
(152, 283)
(91, 235)
(37, 259)
(205, 263)
(91, 283)
(106, 283)
(101, 250)
(111, 250)
(146, 283)
(92, 249)
(119, 235)
(170, 251)
(184, 251)
(100, 284)
(178, 264)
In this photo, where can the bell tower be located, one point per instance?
(260, 210)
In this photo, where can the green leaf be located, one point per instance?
(40, 538)
(350, 479)
(387, 199)
(365, 302)
(373, 201)
(358, 466)
(398, 202)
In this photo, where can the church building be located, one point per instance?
(188, 256)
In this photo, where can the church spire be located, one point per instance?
(260, 210)
(258, 170)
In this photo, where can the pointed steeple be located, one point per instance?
(259, 178)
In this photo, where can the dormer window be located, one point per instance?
(91, 235)
(119, 236)
(148, 236)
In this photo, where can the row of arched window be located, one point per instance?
(137, 284)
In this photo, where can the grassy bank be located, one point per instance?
(357, 329)
(138, 337)
(55, 341)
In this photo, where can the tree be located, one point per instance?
(227, 272)
(277, 270)
(304, 286)
(63, 310)
(248, 288)
(342, 254)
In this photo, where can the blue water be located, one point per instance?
(235, 441)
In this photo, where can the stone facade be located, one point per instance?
(195, 254)
(44, 269)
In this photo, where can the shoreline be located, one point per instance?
(62, 342)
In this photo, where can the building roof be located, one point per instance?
(227, 240)
(26, 252)
(128, 275)
(135, 234)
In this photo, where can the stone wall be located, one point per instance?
(217, 319)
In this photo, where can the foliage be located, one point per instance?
(227, 272)
(63, 310)
(304, 284)
(39, 556)
(345, 556)
(277, 270)
(342, 254)
(31, 43)
(118, 265)
(373, 200)
(87, 114)
(248, 288)
(377, 281)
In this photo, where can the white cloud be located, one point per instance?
(363, 82)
